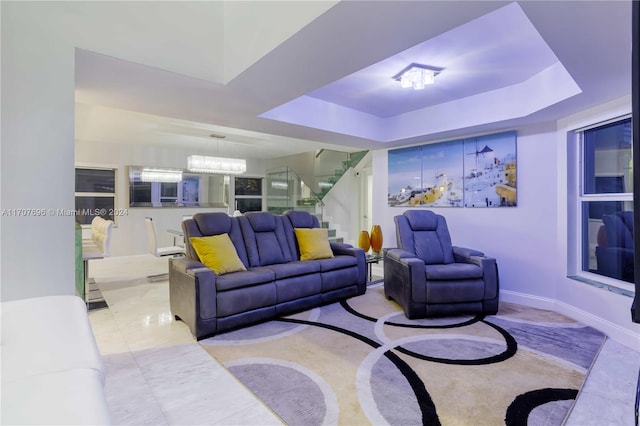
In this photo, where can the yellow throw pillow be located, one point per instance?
(313, 243)
(218, 253)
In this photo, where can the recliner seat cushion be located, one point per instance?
(453, 271)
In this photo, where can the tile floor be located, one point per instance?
(158, 375)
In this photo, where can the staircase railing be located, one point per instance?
(287, 191)
(330, 166)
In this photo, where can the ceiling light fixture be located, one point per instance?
(160, 175)
(417, 76)
(216, 165)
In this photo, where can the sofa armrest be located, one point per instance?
(397, 254)
(462, 254)
(340, 249)
(489, 267)
(183, 264)
(405, 281)
(192, 295)
(337, 246)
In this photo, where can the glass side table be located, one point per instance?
(371, 259)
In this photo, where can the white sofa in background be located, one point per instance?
(52, 372)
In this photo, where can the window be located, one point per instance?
(606, 202)
(95, 194)
(248, 194)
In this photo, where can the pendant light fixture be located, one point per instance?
(216, 165)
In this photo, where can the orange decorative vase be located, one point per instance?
(376, 239)
(363, 241)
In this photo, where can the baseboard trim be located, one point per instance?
(614, 331)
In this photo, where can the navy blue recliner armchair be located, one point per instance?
(615, 255)
(429, 277)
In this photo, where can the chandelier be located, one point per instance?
(417, 76)
(216, 165)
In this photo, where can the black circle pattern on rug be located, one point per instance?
(427, 408)
(519, 410)
(510, 342)
(390, 381)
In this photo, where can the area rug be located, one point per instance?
(362, 362)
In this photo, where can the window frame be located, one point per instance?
(575, 215)
(257, 195)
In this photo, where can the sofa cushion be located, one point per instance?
(248, 278)
(262, 221)
(264, 238)
(217, 252)
(313, 243)
(302, 219)
(294, 269)
(453, 271)
(337, 262)
(426, 234)
(213, 223)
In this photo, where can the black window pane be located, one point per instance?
(607, 159)
(248, 186)
(95, 180)
(89, 207)
(608, 241)
(249, 204)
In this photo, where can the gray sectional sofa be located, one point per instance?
(276, 281)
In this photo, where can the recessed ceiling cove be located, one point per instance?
(494, 68)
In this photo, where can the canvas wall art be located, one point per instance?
(470, 172)
(490, 171)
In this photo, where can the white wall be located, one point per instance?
(529, 241)
(129, 236)
(38, 252)
(342, 207)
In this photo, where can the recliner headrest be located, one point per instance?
(302, 219)
(261, 221)
(214, 223)
(422, 220)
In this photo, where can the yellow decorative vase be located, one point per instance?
(376, 239)
(363, 241)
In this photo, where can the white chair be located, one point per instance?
(96, 247)
(160, 251)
